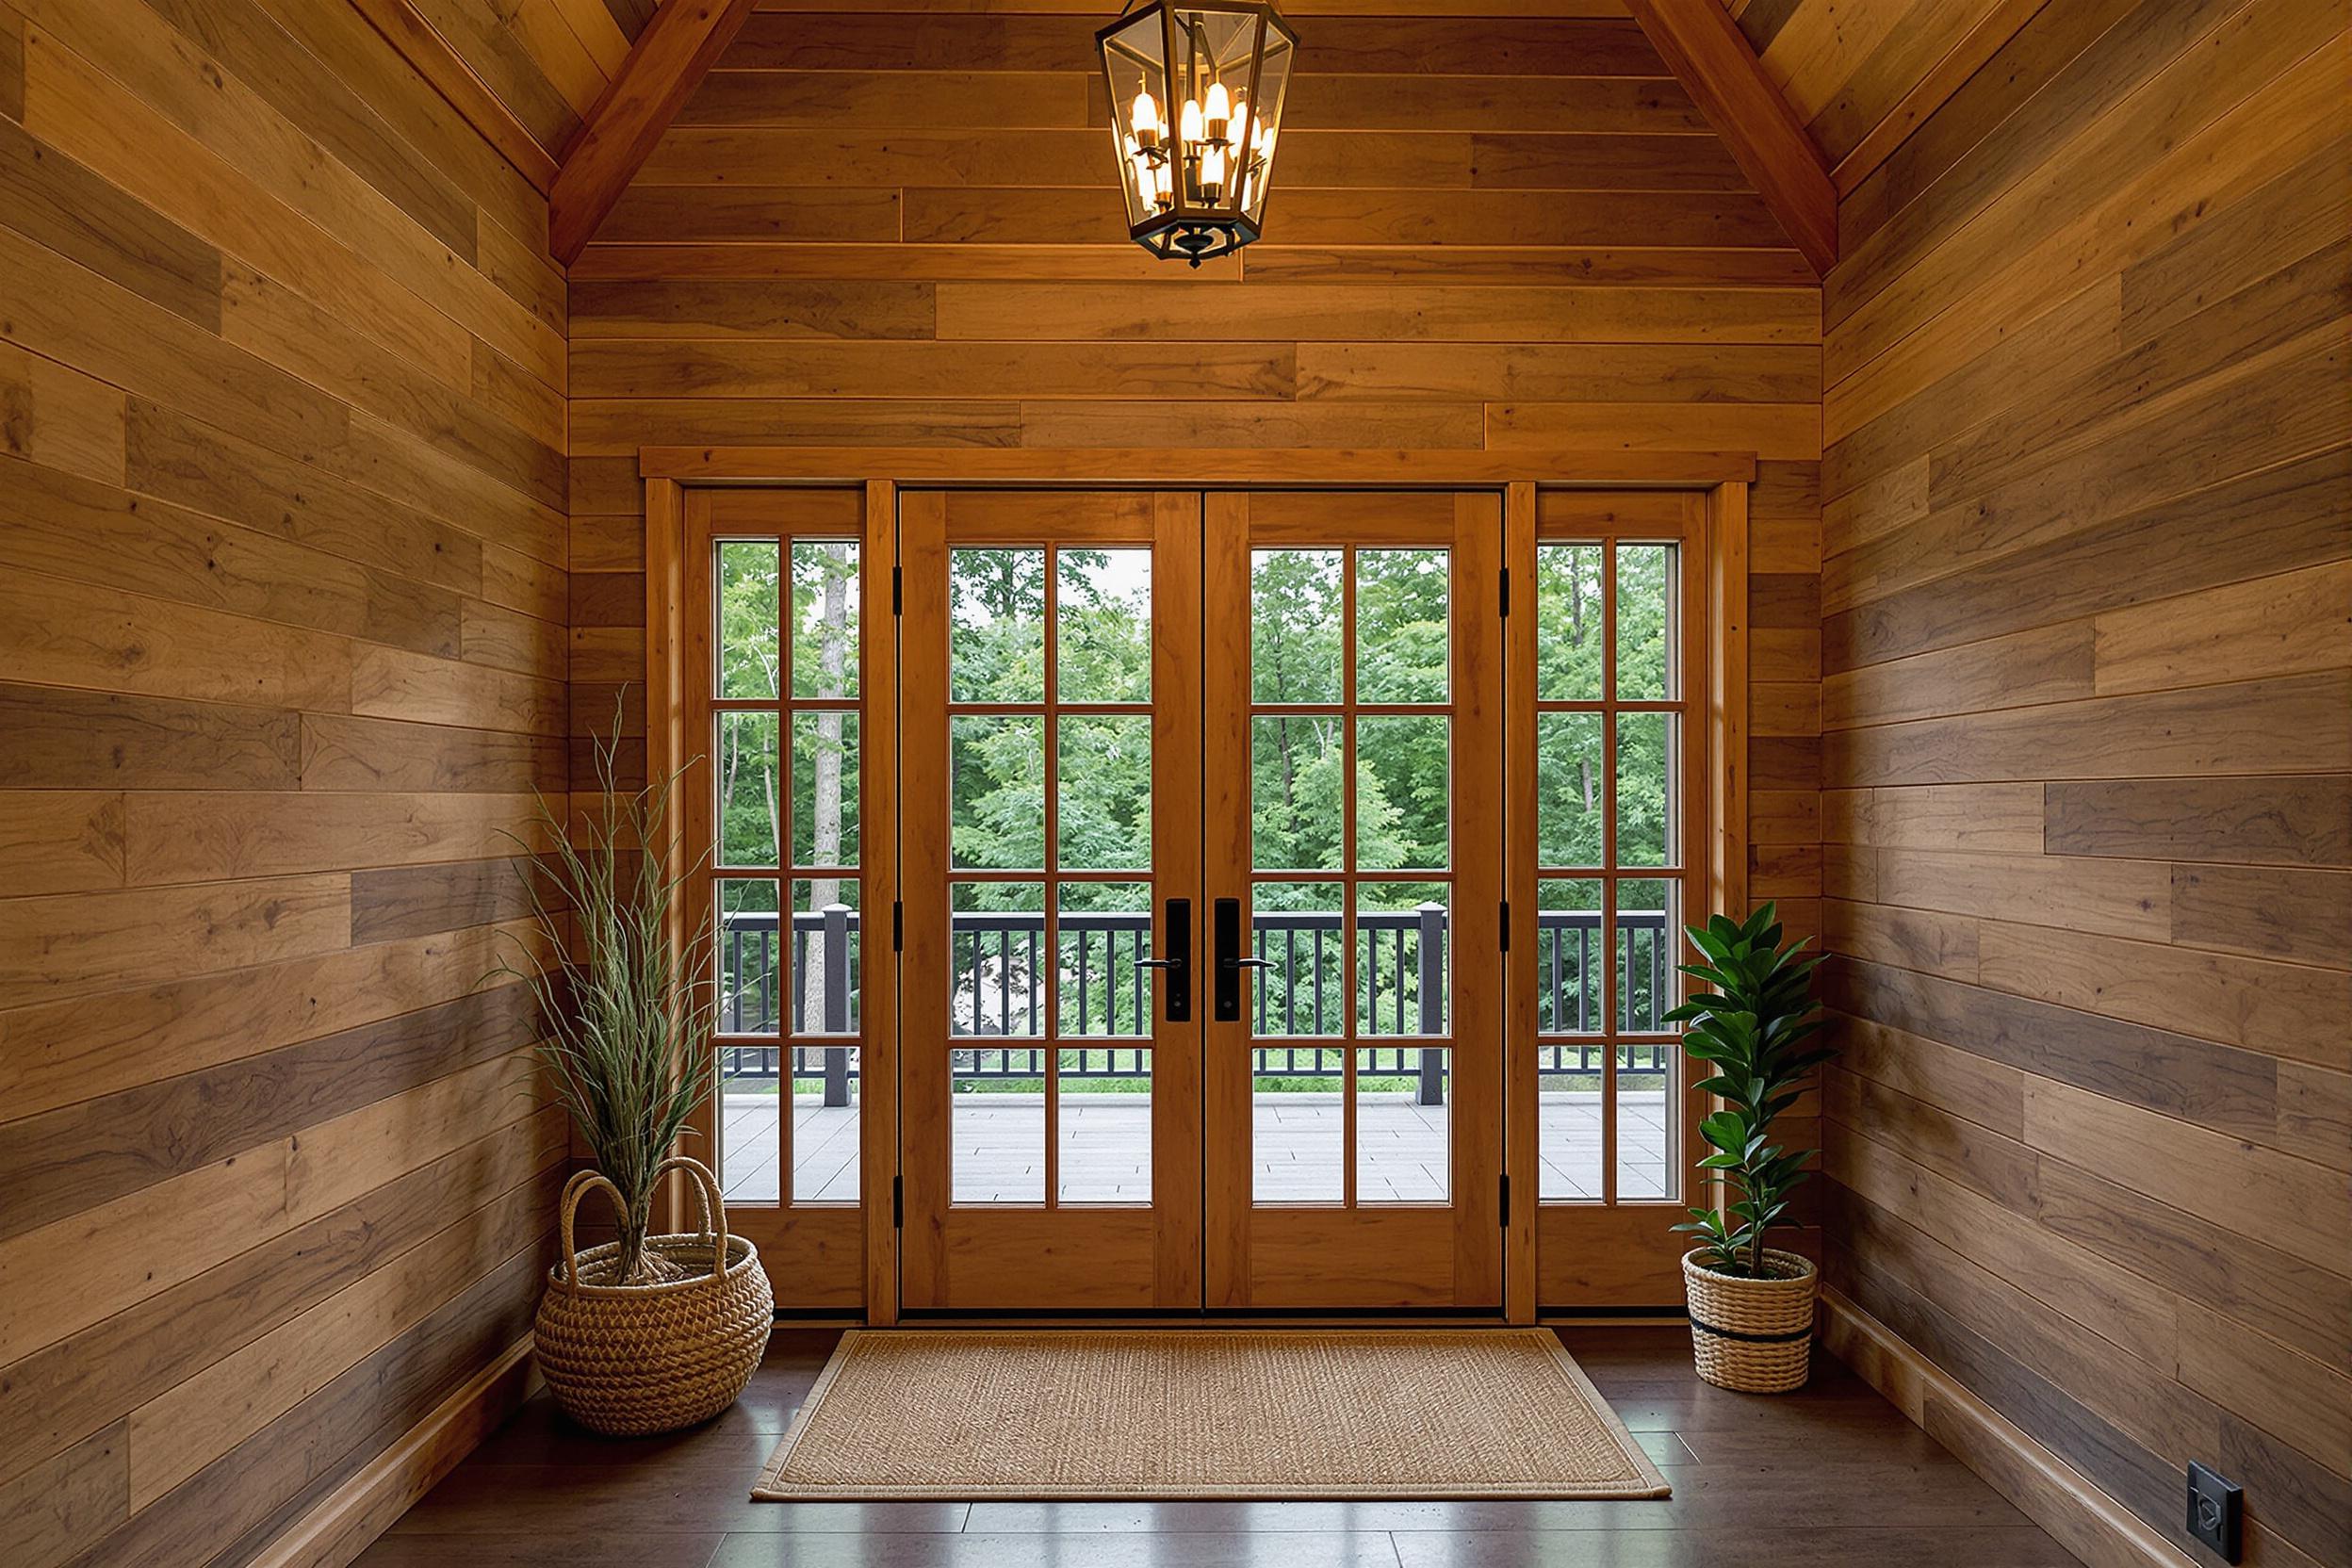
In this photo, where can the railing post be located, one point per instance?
(836, 1002)
(1432, 986)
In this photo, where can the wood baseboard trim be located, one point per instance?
(2044, 1488)
(363, 1508)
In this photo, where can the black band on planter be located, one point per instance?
(1790, 1338)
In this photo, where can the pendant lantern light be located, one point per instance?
(1196, 113)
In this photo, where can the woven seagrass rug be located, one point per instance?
(1274, 1413)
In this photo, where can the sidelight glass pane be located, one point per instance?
(1402, 957)
(827, 941)
(1568, 789)
(1645, 794)
(1568, 954)
(828, 1090)
(1102, 929)
(1403, 789)
(1294, 623)
(750, 957)
(1104, 638)
(1298, 929)
(825, 788)
(996, 1127)
(1401, 625)
(1404, 1098)
(750, 625)
(996, 625)
(1296, 792)
(996, 792)
(1105, 788)
(1104, 1133)
(996, 955)
(1568, 623)
(749, 774)
(1645, 622)
(750, 1152)
(825, 618)
(1298, 1129)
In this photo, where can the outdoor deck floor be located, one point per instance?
(1105, 1148)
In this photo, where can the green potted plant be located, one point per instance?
(1748, 1020)
(646, 1333)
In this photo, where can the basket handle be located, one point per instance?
(713, 1204)
(578, 1188)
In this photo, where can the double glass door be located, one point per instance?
(1202, 873)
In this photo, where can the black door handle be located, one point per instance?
(1226, 1008)
(1178, 963)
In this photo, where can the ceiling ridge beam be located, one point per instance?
(1702, 46)
(664, 66)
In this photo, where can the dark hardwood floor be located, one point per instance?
(1828, 1478)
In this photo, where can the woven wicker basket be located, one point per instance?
(1755, 1336)
(626, 1360)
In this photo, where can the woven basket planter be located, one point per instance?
(626, 1360)
(1755, 1336)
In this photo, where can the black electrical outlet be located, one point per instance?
(2216, 1511)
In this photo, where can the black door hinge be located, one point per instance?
(1506, 591)
(898, 591)
(898, 1203)
(898, 926)
(1506, 925)
(1506, 1201)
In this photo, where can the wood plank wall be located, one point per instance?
(282, 654)
(547, 60)
(2087, 628)
(897, 227)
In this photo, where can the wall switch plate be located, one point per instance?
(2216, 1511)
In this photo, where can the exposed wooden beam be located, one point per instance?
(421, 44)
(664, 66)
(1704, 48)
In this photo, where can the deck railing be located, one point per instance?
(1105, 995)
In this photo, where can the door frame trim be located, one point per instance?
(667, 471)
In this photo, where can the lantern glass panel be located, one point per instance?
(1266, 122)
(1140, 130)
(1211, 67)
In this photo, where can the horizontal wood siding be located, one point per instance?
(2087, 628)
(283, 607)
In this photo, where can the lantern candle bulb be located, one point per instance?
(1218, 112)
(1144, 122)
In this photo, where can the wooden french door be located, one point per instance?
(1203, 868)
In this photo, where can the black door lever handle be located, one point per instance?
(1226, 1007)
(1178, 964)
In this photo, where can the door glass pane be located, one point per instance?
(1568, 958)
(1404, 1098)
(1400, 958)
(826, 1094)
(997, 1126)
(1104, 928)
(1104, 1125)
(996, 791)
(1649, 926)
(1297, 1125)
(1645, 622)
(1401, 626)
(1645, 807)
(1104, 638)
(996, 628)
(750, 1154)
(825, 618)
(1295, 619)
(1297, 928)
(750, 624)
(1644, 955)
(750, 955)
(1104, 763)
(825, 788)
(827, 968)
(1568, 623)
(1402, 791)
(996, 945)
(1568, 786)
(749, 773)
(1296, 792)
